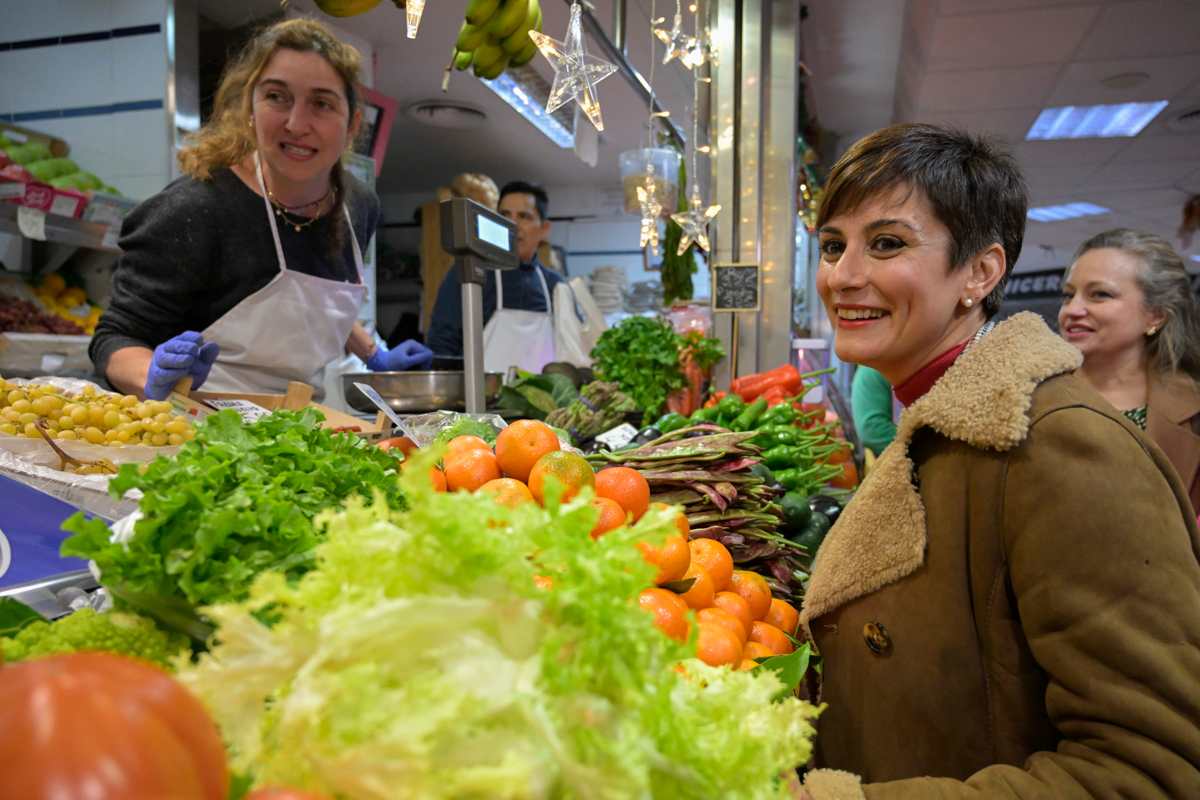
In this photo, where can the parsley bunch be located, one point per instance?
(642, 356)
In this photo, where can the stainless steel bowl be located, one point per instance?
(411, 392)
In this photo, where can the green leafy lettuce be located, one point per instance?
(419, 659)
(237, 500)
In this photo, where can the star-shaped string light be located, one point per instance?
(676, 41)
(694, 223)
(697, 52)
(412, 12)
(575, 72)
(651, 209)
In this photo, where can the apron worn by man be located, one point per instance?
(513, 337)
(289, 329)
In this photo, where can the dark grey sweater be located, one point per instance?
(198, 248)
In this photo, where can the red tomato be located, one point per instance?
(275, 793)
(103, 726)
(402, 443)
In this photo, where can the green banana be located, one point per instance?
(469, 38)
(462, 60)
(525, 56)
(516, 41)
(508, 18)
(480, 11)
(486, 55)
(492, 70)
(346, 8)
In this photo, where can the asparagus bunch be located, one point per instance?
(601, 406)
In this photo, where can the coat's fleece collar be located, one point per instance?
(982, 400)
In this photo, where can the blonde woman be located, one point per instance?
(247, 272)
(1128, 306)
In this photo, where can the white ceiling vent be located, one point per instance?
(446, 114)
(1186, 120)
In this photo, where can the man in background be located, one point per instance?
(518, 326)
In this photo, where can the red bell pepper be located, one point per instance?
(751, 386)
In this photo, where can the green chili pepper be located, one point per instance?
(705, 414)
(747, 419)
(796, 478)
(776, 435)
(672, 421)
(729, 407)
(786, 456)
(779, 414)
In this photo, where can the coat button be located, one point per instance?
(877, 638)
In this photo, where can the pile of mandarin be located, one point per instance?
(737, 620)
(90, 416)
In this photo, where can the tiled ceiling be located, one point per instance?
(991, 65)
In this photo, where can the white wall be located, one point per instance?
(104, 97)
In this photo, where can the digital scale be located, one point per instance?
(31, 570)
(479, 239)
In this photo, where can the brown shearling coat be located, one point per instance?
(1173, 423)
(1010, 606)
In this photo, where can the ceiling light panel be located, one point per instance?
(1086, 122)
(521, 98)
(1066, 211)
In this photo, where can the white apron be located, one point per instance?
(289, 329)
(518, 338)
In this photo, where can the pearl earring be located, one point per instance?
(1151, 331)
(968, 302)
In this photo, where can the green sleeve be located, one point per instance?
(871, 401)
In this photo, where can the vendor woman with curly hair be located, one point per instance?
(1010, 605)
(247, 272)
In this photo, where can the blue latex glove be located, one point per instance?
(175, 359)
(409, 354)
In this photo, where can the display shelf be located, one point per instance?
(61, 230)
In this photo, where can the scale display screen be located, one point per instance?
(492, 232)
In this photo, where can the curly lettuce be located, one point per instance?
(419, 659)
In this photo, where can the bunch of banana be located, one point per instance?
(350, 8)
(495, 35)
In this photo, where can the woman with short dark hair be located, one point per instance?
(1129, 308)
(1010, 605)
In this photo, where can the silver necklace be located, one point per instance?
(979, 334)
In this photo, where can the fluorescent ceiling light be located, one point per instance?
(1068, 211)
(1195, 258)
(508, 90)
(1081, 122)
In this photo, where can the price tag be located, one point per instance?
(110, 237)
(53, 362)
(248, 411)
(618, 437)
(32, 223)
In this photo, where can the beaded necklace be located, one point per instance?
(284, 212)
